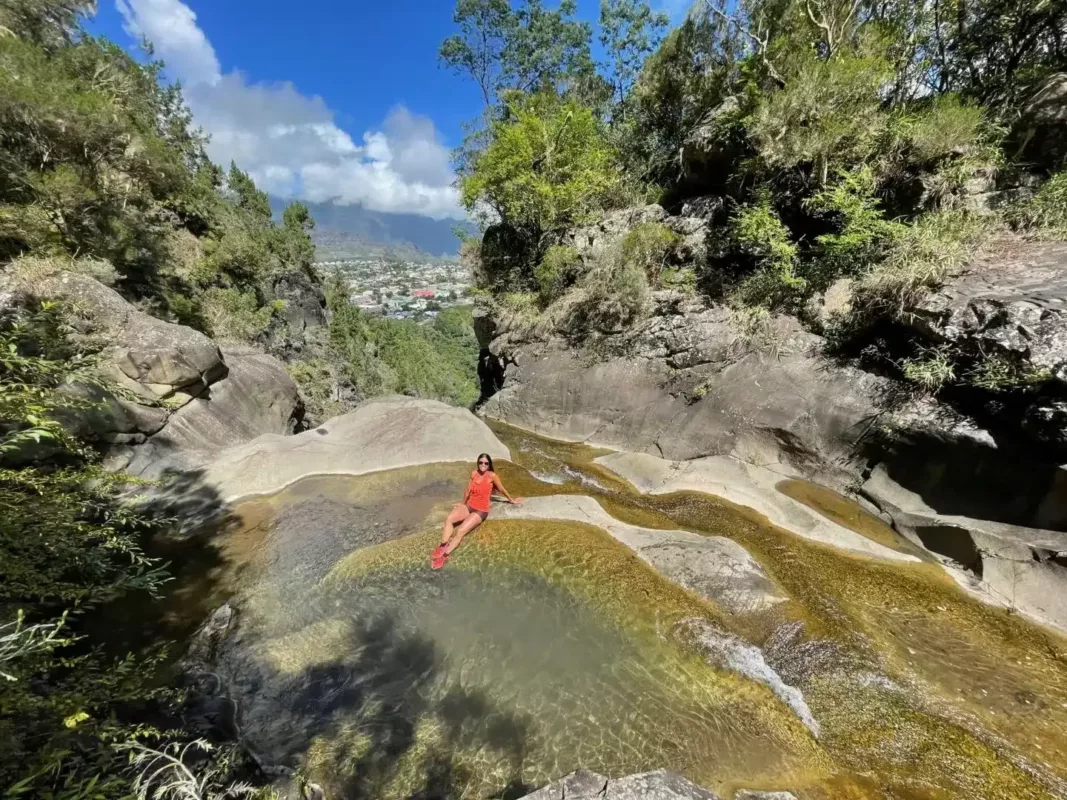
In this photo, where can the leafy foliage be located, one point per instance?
(100, 162)
(1046, 210)
(547, 169)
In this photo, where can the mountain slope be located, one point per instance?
(355, 230)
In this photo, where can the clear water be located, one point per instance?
(546, 646)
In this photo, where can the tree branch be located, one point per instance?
(761, 44)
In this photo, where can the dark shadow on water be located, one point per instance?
(385, 686)
(194, 518)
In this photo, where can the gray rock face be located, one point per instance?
(1021, 568)
(1012, 307)
(685, 386)
(659, 785)
(256, 397)
(593, 240)
(1044, 120)
(305, 303)
(703, 149)
(159, 358)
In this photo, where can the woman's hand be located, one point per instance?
(518, 501)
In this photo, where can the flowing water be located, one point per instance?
(543, 647)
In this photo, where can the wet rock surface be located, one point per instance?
(711, 566)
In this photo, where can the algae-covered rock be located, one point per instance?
(745, 485)
(712, 566)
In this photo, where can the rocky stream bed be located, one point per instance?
(746, 635)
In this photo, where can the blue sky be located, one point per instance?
(325, 99)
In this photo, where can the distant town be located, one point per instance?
(400, 289)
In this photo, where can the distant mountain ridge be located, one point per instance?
(352, 230)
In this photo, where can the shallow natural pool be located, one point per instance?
(547, 646)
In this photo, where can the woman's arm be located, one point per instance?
(500, 488)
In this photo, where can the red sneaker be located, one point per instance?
(438, 560)
(438, 551)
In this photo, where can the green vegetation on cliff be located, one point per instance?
(390, 356)
(102, 173)
(826, 139)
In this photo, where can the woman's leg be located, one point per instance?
(468, 525)
(456, 516)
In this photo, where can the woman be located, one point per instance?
(472, 512)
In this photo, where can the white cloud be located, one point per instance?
(289, 142)
(171, 27)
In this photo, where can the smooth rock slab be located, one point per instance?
(746, 485)
(381, 434)
(712, 566)
(1007, 565)
(658, 785)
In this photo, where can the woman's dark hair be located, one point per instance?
(488, 458)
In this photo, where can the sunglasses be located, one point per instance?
(483, 462)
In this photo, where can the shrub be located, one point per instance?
(648, 247)
(558, 268)
(948, 127)
(1046, 211)
(757, 231)
(998, 373)
(611, 297)
(921, 257)
(828, 116)
(28, 270)
(519, 312)
(317, 380)
(236, 316)
(679, 279)
(862, 234)
(930, 371)
(547, 168)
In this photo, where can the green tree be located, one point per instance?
(247, 195)
(548, 168)
(629, 31)
(527, 47)
(295, 248)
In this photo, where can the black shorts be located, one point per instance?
(482, 514)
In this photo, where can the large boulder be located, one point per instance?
(710, 148)
(305, 303)
(150, 356)
(1042, 125)
(592, 241)
(256, 397)
(169, 398)
(380, 434)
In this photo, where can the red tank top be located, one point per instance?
(478, 491)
